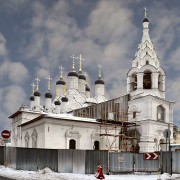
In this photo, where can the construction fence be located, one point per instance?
(86, 161)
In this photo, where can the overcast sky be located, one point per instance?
(37, 36)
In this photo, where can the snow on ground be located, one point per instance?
(47, 174)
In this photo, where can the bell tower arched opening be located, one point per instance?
(134, 82)
(147, 82)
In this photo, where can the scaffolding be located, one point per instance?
(115, 130)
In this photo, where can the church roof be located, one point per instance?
(99, 81)
(48, 94)
(67, 117)
(37, 93)
(60, 81)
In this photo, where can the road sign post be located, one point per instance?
(151, 156)
(6, 135)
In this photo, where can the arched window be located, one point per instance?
(96, 145)
(160, 113)
(34, 139)
(134, 82)
(147, 80)
(72, 144)
(26, 140)
(147, 62)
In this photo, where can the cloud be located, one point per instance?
(13, 97)
(13, 6)
(3, 49)
(16, 72)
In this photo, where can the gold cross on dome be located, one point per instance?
(80, 62)
(61, 71)
(33, 87)
(145, 11)
(73, 66)
(100, 67)
(37, 83)
(49, 82)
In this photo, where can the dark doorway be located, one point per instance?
(72, 144)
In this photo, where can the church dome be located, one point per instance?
(48, 95)
(60, 81)
(73, 73)
(37, 93)
(99, 81)
(31, 98)
(82, 76)
(87, 88)
(57, 103)
(145, 19)
(64, 99)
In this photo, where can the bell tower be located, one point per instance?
(146, 87)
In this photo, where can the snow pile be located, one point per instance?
(46, 170)
(167, 176)
(48, 174)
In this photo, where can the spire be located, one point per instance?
(100, 67)
(145, 12)
(61, 71)
(99, 80)
(146, 53)
(33, 88)
(37, 83)
(73, 64)
(80, 62)
(49, 82)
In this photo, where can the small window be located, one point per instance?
(147, 62)
(96, 145)
(72, 144)
(160, 113)
(134, 115)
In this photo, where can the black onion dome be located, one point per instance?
(31, 98)
(57, 102)
(64, 99)
(87, 88)
(37, 93)
(99, 81)
(73, 73)
(145, 19)
(82, 76)
(60, 81)
(48, 95)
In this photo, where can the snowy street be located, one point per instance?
(47, 174)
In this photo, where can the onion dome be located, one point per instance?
(60, 81)
(31, 98)
(99, 81)
(87, 88)
(73, 73)
(145, 19)
(64, 99)
(57, 103)
(48, 95)
(37, 93)
(82, 76)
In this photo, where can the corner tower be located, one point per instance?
(146, 87)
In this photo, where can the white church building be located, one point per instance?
(54, 125)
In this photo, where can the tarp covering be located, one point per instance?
(71, 161)
(95, 158)
(121, 162)
(11, 157)
(36, 159)
(2, 155)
